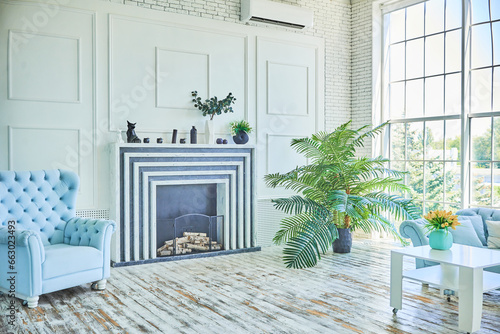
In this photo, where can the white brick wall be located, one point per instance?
(332, 21)
(361, 103)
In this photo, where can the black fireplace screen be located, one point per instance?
(189, 233)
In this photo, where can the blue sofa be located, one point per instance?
(54, 250)
(474, 224)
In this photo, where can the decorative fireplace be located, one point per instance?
(157, 183)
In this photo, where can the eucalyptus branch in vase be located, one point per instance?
(213, 106)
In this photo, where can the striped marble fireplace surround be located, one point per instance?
(139, 169)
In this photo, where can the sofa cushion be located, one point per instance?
(465, 234)
(62, 259)
(494, 233)
(478, 223)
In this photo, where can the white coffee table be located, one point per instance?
(460, 269)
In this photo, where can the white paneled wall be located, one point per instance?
(47, 101)
(76, 73)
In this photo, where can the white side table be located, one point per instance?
(460, 269)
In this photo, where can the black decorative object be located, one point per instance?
(224, 141)
(219, 141)
(174, 136)
(159, 140)
(241, 138)
(182, 140)
(194, 135)
(146, 140)
(131, 136)
(344, 242)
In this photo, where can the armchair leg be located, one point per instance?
(99, 285)
(32, 302)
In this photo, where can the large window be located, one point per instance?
(442, 94)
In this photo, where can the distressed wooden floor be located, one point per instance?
(251, 293)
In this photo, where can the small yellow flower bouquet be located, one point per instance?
(441, 219)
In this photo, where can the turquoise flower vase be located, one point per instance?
(440, 239)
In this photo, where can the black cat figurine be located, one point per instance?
(131, 136)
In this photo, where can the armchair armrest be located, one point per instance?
(23, 238)
(89, 232)
(29, 256)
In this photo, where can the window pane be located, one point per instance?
(415, 98)
(496, 42)
(397, 26)
(397, 100)
(496, 185)
(480, 183)
(453, 51)
(415, 21)
(399, 166)
(480, 11)
(434, 140)
(453, 14)
(495, 10)
(415, 141)
(496, 89)
(416, 179)
(480, 129)
(434, 16)
(434, 96)
(415, 59)
(453, 94)
(496, 138)
(452, 182)
(481, 46)
(397, 62)
(398, 139)
(480, 95)
(434, 55)
(453, 143)
(452, 207)
(434, 181)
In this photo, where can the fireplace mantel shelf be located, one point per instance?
(139, 169)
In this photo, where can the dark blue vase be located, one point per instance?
(241, 138)
(344, 242)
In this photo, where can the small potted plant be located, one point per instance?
(240, 131)
(438, 223)
(212, 107)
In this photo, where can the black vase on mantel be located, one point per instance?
(344, 242)
(241, 138)
(194, 135)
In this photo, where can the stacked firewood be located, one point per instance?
(187, 243)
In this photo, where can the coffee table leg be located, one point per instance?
(396, 281)
(470, 301)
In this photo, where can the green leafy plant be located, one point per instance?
(241, 126)
(213, 106)
(336, 189)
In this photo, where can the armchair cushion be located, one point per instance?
(62, 259)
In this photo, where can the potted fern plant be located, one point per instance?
(338, 193)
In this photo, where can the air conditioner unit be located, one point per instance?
(271, 12)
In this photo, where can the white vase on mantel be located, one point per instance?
(209, 131)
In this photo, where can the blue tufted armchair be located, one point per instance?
(54, 250)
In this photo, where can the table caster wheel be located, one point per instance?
(448, 299)
(394, 310)
(25, 302)
(93, 286)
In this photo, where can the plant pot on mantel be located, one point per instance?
(241, 138)
(344, 242)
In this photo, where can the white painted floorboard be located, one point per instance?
(251, 293)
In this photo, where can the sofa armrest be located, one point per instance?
(89, 232)
(415, 230)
